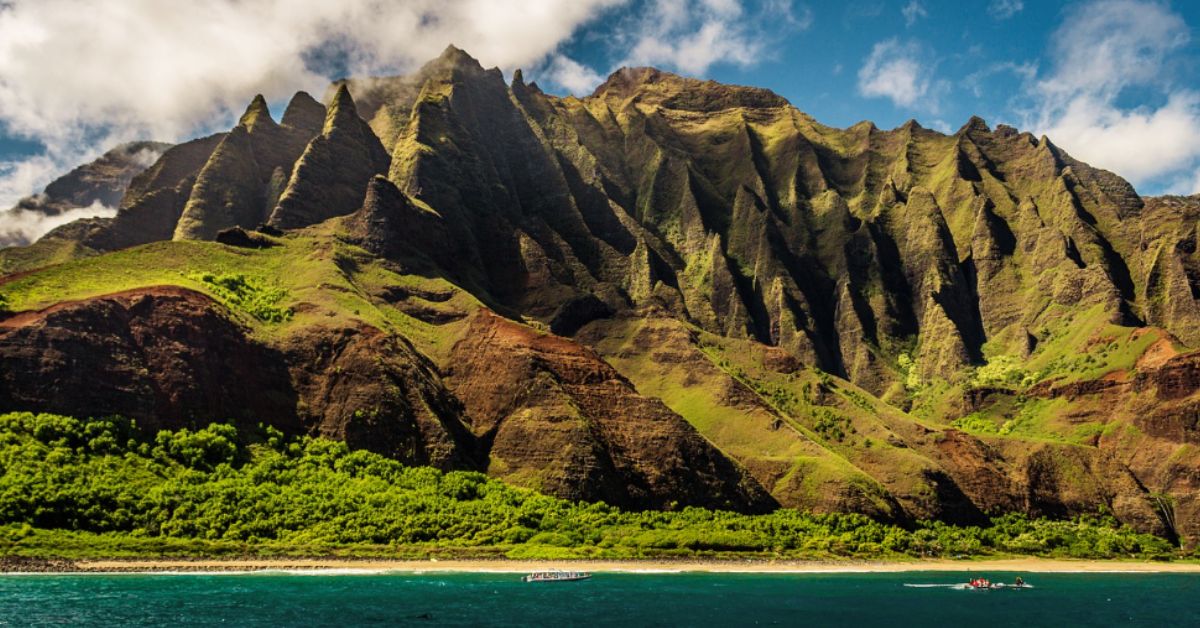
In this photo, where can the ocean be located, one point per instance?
(609, 599)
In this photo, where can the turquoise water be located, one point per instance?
(613, 599)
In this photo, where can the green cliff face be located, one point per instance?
(329, 178)
(897, 322)
(241, 181)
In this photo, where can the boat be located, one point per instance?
(983, 584)
(556, 576)
(980, 584)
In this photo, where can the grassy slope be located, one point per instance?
(312, 276)
(812, 439)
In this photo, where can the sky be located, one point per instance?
(1115, 83)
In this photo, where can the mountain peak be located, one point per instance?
(341, 111)
(454, 58)
(257, 115)
(627, 81)
(304, 112)
(654, 86)
(976, 125)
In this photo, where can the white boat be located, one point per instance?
(556, 576)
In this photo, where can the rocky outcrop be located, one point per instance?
(376, 392)
(561, 420)
(167, 357)
(818, 303)
(567, 423)
(227, 192)
(390, 225)
(721, 204)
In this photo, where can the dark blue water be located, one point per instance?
(613, 599)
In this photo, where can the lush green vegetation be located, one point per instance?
(99, 487)
(247, 295)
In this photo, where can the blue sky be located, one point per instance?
(1115, 82)
(815, 63)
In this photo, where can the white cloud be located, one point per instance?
(941, 126)
(573, 76)
(687, 36)
(1106, 46)
(1004, 9)
(20, 178)
(693, 35)
(977, 81)
(81, 75)
(894, 70)
(1141, 144)
(19, 226)
(1102, 50)
(1184, 185)
(913, 11)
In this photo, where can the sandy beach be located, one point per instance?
(1029, 565)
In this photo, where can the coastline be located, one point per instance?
(371, 566)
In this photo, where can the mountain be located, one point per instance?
(669, 292)
(101, 182)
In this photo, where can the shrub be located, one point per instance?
(248, 295)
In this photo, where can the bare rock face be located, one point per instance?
(563, 421)
(98, 184)
(227, 192)
(723, 205)
(390, 225)
(197, 188)
(103, 181)
(152, 206)
(375, 392)
(167, 357)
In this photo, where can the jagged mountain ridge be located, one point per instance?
(791, 233)
(675, 226)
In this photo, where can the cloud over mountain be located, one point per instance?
(1102, 51)
(79, 76)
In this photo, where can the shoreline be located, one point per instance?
(377, 566)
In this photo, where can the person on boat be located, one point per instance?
(1019, 581)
